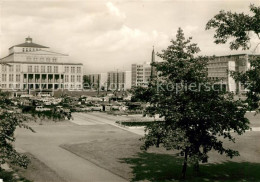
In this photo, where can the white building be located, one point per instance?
(142, 73)
(119, 80)
(112, 80)
(33, 67)
(96, 81)
(219, 68)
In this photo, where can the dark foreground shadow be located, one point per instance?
(163, 167)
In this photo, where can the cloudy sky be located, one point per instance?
(110, 35)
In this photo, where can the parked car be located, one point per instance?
(115, 107)
(40, 108)
(84, 108)
(96, 107)
(46, 102)
(59, 108)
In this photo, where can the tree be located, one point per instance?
(8, 123)
(240, 27)
(86, 82)
(197, 117)
(140, 94)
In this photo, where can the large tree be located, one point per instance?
(241, 28)
(197, 115)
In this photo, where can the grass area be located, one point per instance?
(37, 172)
(122, 156)
(254, 119)
(162, 168)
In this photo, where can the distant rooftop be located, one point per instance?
(29, 43)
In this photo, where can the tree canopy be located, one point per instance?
(197, 115)
(236, 26)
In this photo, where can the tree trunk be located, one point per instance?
(196, 164)
(196, 168)
(158, 142)
(184, 167)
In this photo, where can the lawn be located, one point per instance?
(254, 119)
(37, 171)
(122, 156)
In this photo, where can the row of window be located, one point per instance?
(42, 59)
(218, 78)
(72, 69)
(72, 78)
(11, 68)
(11, 77)
(18, 78)
(30, 49)
(72, 86)
(216, 64)
(36, 69)
(18, 86)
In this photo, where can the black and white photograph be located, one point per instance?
(129, 90)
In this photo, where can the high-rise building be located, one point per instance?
(119, 80)
(112, 80)
(142, 73)
(33, 67)
(219, 68)
(97, 81)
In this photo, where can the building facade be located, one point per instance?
(219, 69)
(112, 80)
(143, 73)
(97, 81)
(33, 67)
(119, 80)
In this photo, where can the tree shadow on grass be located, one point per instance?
(164, 167)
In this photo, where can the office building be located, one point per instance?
(142, 73)
(112, 80)
(119, 80)
(219, 68)
(96, 81)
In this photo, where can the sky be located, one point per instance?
(109, 35)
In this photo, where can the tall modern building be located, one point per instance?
(119, 80)
(112, 80)
(33, 67)
(219, 69)
(142, 73)
(97, 81)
